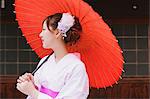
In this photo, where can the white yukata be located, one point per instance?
(68, 77)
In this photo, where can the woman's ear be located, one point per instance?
(57, 33)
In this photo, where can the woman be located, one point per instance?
(63, 75)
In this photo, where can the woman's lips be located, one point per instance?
(42, 39)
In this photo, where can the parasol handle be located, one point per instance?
(41, 64)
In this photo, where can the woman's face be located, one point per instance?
(47, 36)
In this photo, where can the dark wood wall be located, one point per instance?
(127, 88)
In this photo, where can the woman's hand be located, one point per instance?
(28, 88)
(25, 77)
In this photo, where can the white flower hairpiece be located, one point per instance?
(66, 22)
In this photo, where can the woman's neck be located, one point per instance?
(60, 51)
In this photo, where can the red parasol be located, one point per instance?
(97, 45)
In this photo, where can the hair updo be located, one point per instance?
(73, 34)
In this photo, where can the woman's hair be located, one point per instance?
(73, 34)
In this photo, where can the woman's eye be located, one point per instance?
(43, 29)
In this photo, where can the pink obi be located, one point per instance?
(47, 91)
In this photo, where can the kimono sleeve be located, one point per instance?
(77, 86)
(41, 96)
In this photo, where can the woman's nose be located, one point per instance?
(40, 35)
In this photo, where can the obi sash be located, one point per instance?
(47, 91)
